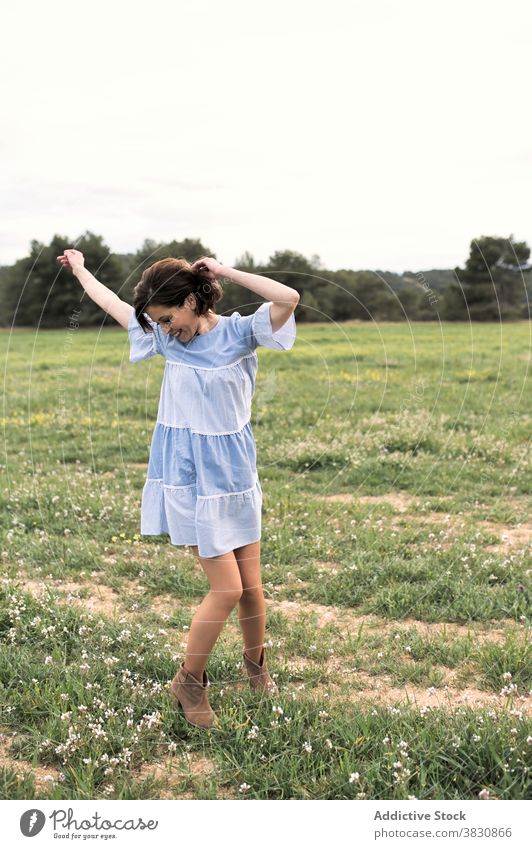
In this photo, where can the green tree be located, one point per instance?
(288, 267)
(151, 251)
(491, 286)
(245, 263)
(373, 301)
(294, 270)
(235, 296)
(309, 309)
(341, 301)
(37, 292)
(410, 299)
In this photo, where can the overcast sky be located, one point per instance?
(380, 134)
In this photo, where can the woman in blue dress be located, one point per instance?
(202, 486)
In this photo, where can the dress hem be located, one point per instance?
(214, 525)
(197, 545)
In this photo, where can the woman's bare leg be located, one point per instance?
(209, 619)
(251, 607)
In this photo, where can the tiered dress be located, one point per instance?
(202, 486)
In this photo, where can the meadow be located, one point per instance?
(395, 465)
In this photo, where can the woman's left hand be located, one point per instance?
(212, 266)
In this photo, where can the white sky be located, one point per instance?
(376, 134)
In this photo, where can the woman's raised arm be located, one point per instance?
(100, 294)
(283, 298)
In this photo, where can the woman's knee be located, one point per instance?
(235, 595)
(228, 597)
(252, 594)
(224, 579)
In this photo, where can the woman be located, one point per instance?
(202, 486)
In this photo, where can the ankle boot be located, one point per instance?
(191, 696)
(259, 677)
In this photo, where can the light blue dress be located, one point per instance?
(202, 486)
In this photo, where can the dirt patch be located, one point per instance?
(342, 498)
(295, 665)
(510, 537)
(101, 599)
(162, 772)
(165, 604)
(105, 600)
(325, 567)
(360, 687)
(431, 629)
(189, 766)
(345, 619)
(399, 500)
(227, 793)
(201, 766)
(293, 610)
(41, 775)
(520, 536)
(423, 518)
(36, 588)
(449, 697)
(379, 690)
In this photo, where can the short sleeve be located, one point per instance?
(256, 329)
(143, 345)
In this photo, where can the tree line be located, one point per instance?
(495, 284)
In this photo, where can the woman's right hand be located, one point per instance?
(72, 260)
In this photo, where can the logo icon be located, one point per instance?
(32, 822)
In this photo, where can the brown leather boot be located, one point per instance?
(259, 677)
(191, 696)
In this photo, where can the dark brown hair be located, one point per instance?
(167, 282)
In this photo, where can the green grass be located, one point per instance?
(434, 415)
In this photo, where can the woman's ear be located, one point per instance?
(192, 302)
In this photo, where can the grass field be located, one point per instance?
(395, 466)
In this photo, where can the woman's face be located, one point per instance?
(181, 322)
